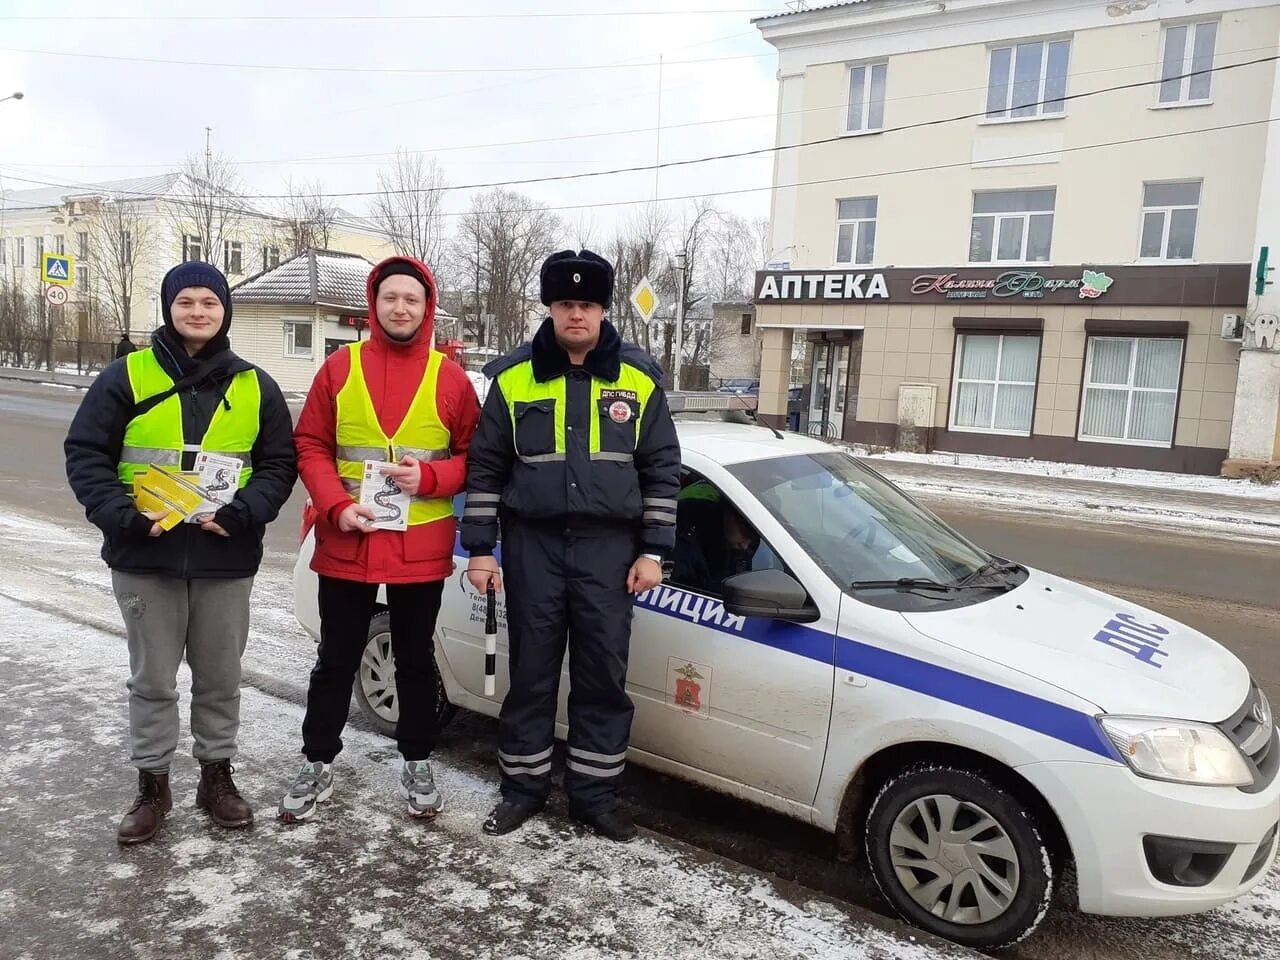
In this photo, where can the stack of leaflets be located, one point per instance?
(185, 495)
(389, 503)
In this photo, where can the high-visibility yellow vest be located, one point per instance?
(520, 387)
(155, 437)
(422, 434)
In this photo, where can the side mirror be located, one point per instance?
(771, 594)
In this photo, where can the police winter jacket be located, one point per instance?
(623, 472)
(93, 447)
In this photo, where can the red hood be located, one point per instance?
(425, 337)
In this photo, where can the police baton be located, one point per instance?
(490, 640)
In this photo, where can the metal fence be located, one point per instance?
(63, 356)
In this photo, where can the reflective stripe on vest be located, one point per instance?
(520, 387)
(155, 437)
(422, 434)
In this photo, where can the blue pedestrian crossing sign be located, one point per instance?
(58, 268)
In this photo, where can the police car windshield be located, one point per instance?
(855, 524)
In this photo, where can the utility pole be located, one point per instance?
(680, 267)
(208, 153)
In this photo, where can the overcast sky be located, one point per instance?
(88, 119)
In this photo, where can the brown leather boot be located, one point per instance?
(153, 801)
(218, 795)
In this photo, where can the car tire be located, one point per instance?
(984, 898)
(375, 683)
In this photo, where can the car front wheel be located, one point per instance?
(375, 683)
(957, 856)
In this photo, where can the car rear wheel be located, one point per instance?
(375, 683)
(957, 856)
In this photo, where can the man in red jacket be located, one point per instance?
(389, 415)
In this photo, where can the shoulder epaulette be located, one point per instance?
(519, 355)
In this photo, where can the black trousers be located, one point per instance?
(562, 587)
(345, 610)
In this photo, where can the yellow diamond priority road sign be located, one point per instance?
(645, 299)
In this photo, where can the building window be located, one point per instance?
(232, 256)
(82, 246)
(866, 97)
(82, 279)
(1169, 212)
(4, 251)
(19, 251)
(746, 324)
(192, 249)
(126, 244)
(1186, 72)
(1131, 390)
(59, 246)
(39, 252)
(270, 258)
(1028, 80)
(1012, 226)
(297, 338)
(856, 230)
(995, 386)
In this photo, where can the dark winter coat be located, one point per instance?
(93, 448)
(576, 492)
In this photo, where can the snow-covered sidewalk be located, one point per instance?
(1211, 506)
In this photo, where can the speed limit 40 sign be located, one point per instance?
(56, 296)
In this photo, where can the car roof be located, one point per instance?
(725, 443)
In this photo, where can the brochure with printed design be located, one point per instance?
(389, 503)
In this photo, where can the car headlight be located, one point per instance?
(1178, 751)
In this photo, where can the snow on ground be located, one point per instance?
(1148, 479)
(361, 879)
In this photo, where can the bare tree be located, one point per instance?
(122, 237)
(501, 242)
(207, 209)
(19, 330)
(636, 253)
(307, 220)
(409, 204)
(693, 239)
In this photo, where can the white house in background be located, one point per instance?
(735, 341)
(289, 318)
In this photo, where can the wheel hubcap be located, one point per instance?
(954, 859)
(378, 677)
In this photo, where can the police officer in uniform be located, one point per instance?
(576, 459)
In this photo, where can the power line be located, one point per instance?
(357, 157)
(389, 18)
(759, 151)
(930, 168)
(323, 68)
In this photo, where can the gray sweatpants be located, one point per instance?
(165, 617)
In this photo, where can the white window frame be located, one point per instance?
(190, 242)
(1023, 215)
(956, 380)
(864, 117)
(230, 247)
(270, 257)
(1131, 389)
(1006, 115)
(1188, 56)
(19, 251)
(82, 245)
(1166, 210)
(858, 224)
(291, 349)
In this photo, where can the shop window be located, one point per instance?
(866, 97)
(1012, 226)
(856, 229)
(995, 383)
(1186, 70)
(1169, 214)
(1131, 390)
(1028, 80)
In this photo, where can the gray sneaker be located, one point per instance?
(418, 787)
(313, 784)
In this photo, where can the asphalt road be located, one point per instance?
(1228, 589)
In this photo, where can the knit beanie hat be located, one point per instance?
(195, 274)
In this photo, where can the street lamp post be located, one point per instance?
(680, 266)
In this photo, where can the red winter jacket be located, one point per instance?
(393, 371)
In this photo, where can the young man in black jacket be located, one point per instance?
(186, 589)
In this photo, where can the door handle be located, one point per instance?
(853, 680)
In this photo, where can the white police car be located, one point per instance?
(977, 724)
